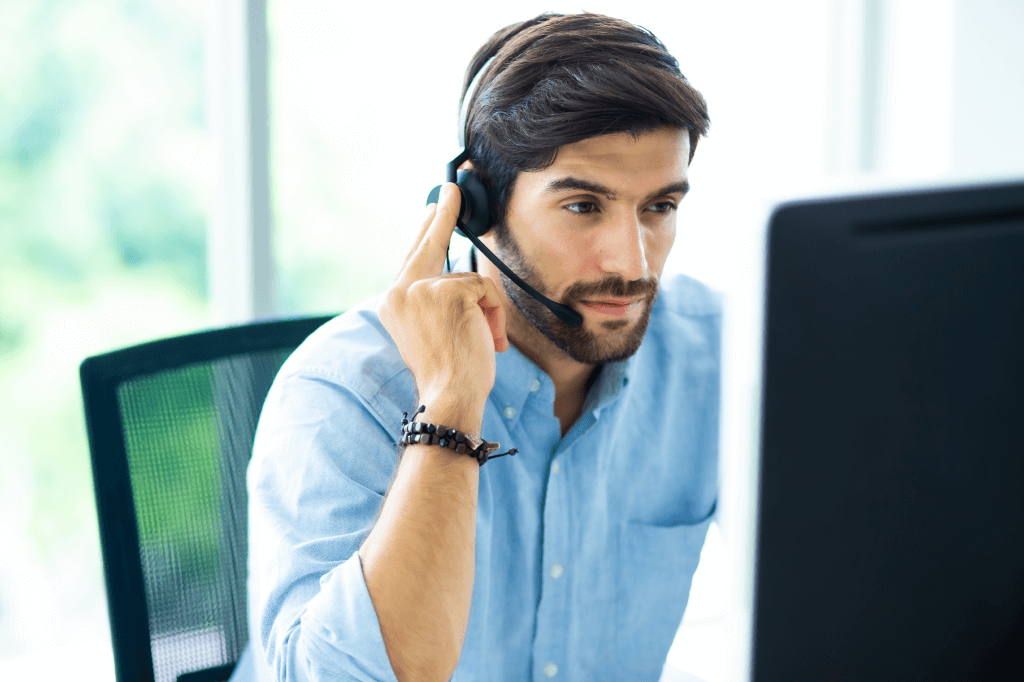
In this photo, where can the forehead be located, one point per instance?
(622, 162)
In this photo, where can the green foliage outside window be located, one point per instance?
(103, 169)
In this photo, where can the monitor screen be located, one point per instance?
(890, 538)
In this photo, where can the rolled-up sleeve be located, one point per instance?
(321, 464)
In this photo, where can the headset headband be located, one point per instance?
(470, 92)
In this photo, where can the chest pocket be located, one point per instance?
(655, 569)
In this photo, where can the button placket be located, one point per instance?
(553, 610)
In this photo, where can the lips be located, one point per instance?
(612, 301)
(615, 307)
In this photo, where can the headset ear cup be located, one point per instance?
(476, 210)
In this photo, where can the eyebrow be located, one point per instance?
(579, 184)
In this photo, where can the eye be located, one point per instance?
(581, 207)
(663, 207)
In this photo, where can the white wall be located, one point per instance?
(988, 88)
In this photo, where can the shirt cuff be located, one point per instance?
(341, 629)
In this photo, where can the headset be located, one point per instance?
(474, 211)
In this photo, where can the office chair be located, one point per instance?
(171, 426)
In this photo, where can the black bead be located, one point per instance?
(431, 428)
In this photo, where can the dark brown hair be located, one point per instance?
(558, 79)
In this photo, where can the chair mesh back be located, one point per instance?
(188, 434)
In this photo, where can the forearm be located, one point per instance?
(418, 560)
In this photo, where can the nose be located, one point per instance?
(622, 249)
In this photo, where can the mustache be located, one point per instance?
(613, 287)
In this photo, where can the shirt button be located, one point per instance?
(536, 385)
(509, 412)
(550, 670)
(555, 466)
(556, 571)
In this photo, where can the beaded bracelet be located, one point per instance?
(439, 434)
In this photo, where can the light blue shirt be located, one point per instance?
(585, 544)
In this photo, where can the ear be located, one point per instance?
(466, 165)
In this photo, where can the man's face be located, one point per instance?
(596, 226)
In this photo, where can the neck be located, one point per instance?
(570, 378)
(566, 374)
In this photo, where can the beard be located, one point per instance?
(621, 337)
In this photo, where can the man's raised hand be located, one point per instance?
(446, 327)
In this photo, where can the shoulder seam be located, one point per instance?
(370, 401)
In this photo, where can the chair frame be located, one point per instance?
(101, 375)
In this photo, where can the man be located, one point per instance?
(374, 560)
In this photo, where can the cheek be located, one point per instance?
(659, 243)
(565, 251)
(562, 263)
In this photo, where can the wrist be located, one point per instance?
(452, 411)
(421, 432)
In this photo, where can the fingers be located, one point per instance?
(420, 281)
(494, 311)
(427, 256)
(472, 288)
(427, 220)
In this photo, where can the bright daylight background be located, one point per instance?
(105, 177)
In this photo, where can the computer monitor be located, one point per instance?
(890, 536)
